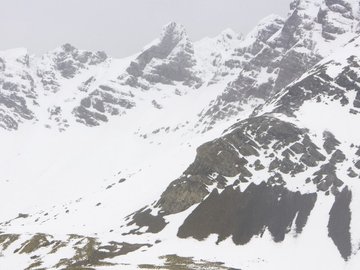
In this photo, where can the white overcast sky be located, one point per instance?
(122, 27)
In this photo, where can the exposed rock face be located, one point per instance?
(144, 218)
(184, 193)
(283, 51)
(273, 55)
(77, 77)
(330, 142)
(322, 85)
(339, 223)
(23, 80)
(69, 59)
(17, 89)
(266, 173)
(344, 11)
(230, 156)
(2, 65)
(103, 101)
(254, 59)
(259, 174)
(66, 62)
(169, 59)
(243, 215)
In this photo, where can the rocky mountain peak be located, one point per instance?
(280, 168)
(66, 62)
(16, 87)
(173, 32)
(266, 28)
(279, 51)
(330, 17)
(301, 20)
(70, 52)
(305, 4)
(170, 58)
(343, 6)
(338, 17)
(229, 34)
(67, 47)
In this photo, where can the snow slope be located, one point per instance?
(240, 150)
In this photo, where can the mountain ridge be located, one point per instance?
(241, 150)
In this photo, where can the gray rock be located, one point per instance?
(2, 65)
(256, 209)
(337, 157)
(357, 164)
(339, 223)
(183, 193)
(69, 60)
(330, 142)
(351, 173)
(226, 157)
(100, 103)
(174, 55)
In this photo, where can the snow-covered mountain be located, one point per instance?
(279, 51)
(232, 152)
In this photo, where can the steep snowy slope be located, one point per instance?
(68, 86)
(278, 52)
(280, 180)
(169, 59)
(18, 94)
(89, 88)
(109, 172)
(215, 54)
(289, 173)
(166, 66)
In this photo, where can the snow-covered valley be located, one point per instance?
(232, 152)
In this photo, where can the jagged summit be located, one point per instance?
(68, 52)
(332, 18)
(171, 58)
(67, 47)
(174, 31)
(246, 145)
(66, 62)
(278, 51)
(72, 51)
(339, 17)
(264, 29)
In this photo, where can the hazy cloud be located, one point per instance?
(122, 27)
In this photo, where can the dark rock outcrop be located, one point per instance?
(103, 101)
(339, 223)
(228, 157)
(170, 59)
(319, 86)
(68, 60)
(144, 218)
(18, 95)
(243, 215)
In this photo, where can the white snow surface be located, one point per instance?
(86, 180)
